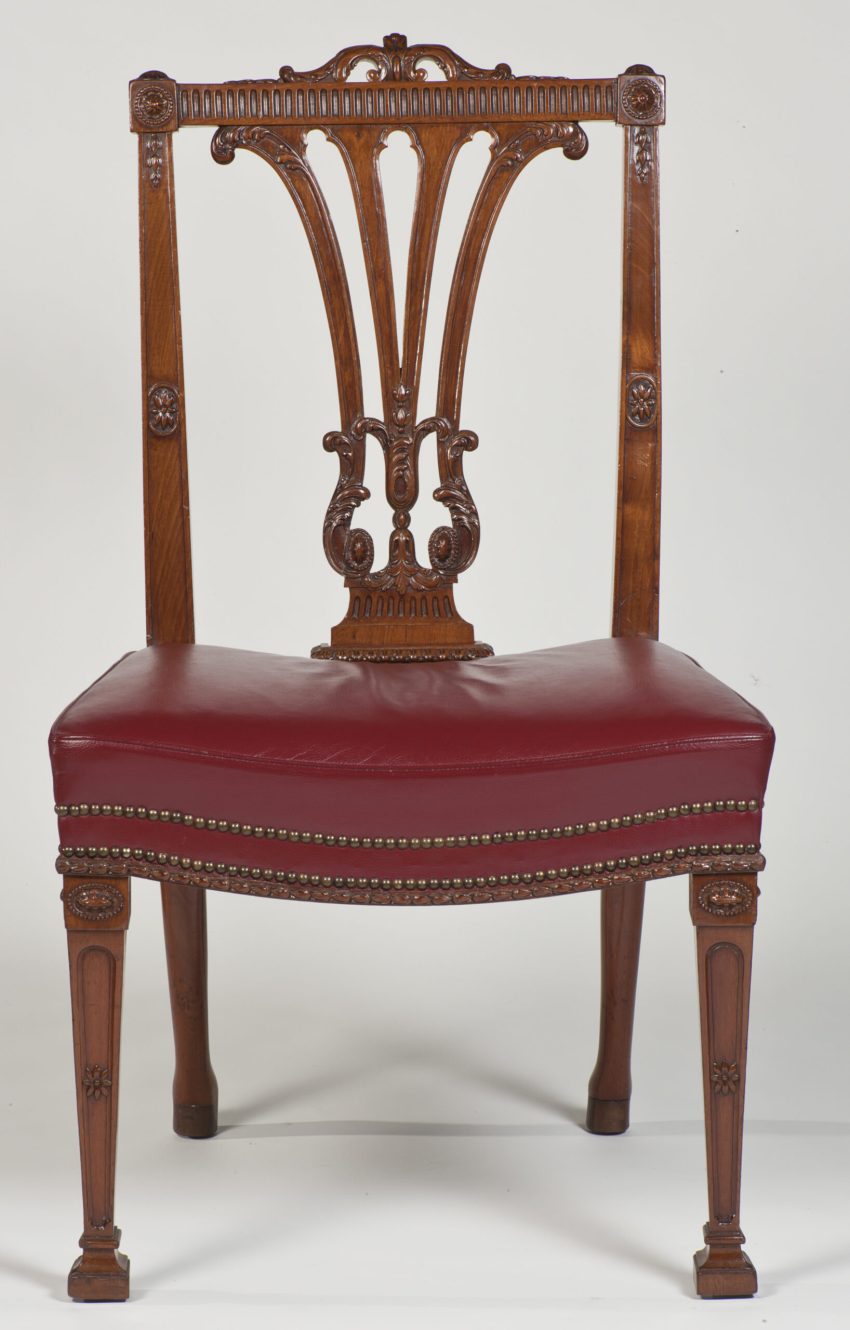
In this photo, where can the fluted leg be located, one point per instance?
(611, 1083)
(723, 908)
(97, 912)
(184, 914)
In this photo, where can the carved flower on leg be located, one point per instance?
(725, 1077)
(97, 1081)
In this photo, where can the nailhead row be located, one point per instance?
(315, 879)
(409, 842)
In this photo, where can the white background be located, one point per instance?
(403, 1090)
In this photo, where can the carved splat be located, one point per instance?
(404, 609)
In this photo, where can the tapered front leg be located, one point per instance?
(184, 915)
(723, 908)
(611, 1083)
(97, 912)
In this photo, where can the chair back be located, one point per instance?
(403, 608)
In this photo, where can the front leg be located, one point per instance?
(97, 912)
(723, 908)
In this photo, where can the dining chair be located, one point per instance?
(403, 762)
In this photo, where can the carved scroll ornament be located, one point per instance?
(394, 62)
(450, 549)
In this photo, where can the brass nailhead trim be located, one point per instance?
(387, 884)
(409, 842)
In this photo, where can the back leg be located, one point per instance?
(611, 1083)
(184, 914)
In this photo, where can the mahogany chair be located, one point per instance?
(595, 766)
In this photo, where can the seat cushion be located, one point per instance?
(514, 775)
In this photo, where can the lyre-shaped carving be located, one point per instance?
(405, 609)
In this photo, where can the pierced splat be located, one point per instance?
(404, 610)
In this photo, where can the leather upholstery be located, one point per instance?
(566, 737)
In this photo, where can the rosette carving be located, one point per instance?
(153, 106)
(641, 97)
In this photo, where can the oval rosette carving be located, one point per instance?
(163, 409)
(95, 903)
(725, 898)
(642, 400)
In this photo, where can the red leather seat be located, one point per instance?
(509, 776)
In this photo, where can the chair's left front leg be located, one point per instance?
(723, 908)
(97, 912)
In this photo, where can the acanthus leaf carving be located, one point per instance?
(393, 62)
(260, 138)
(153, 147)
(451, 549)
(348, 552)
(525, 144)
(643, 154)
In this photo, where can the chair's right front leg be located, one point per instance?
(723, 908)
(97, 912)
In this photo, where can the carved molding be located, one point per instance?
(725, 898)
(273, 103)
(401, 655)
(97, 1083)
(641, 400)
(724, 1080)
(163, 409)
(93, 904)
(392, 891)
(471, 839)
(394, 62)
